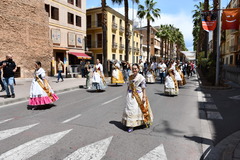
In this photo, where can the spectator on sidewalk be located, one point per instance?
(1, 82)
(87, 74)
(60, 67)
(9, 67)
(82, 67)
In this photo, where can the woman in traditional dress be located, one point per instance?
(171, 85)
(150, 76)
(137, 111)
(117, 76)
(40, 91)
(98, 81)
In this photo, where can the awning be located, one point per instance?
(80, 55)
(59, 48)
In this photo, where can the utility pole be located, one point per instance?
(218, 43)
(104, 28)
(133, 32)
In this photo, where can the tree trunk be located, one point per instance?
(206, 34)
(127, 34)
(148, 39)
(104, 28)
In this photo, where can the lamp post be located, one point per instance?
(218, 44)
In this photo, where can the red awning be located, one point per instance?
(80, 55)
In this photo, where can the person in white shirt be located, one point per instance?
(141, 66)
(162, 71)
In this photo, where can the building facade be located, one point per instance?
(24, 34)
(115, 36)
(230, 44)
(155, 43)
(67, 29)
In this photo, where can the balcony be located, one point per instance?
(114, 26)
(129, 48)
(94, 44)
(121, 29)
(114, 45)
(234, 48)
(94, 24)
(121, 47)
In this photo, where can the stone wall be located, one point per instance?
(231, 74)
(24, 33)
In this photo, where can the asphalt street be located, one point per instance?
(87, 125)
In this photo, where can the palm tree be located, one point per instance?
(149, 12)
(197, 27)
(127, 33)
(104, 28)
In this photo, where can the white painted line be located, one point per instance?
(235, 97)
(33, 147)
(11, 132)
(70, 119)
(157, 154)
(6, 120)
(94, 151)
(111, 100)
(214, 115)
(210, 106)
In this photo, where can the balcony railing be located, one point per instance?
(233, 48)
(121, 47)
(94, 24)
(94, 44)
(114, 25)
(121, 29)
(114, 45)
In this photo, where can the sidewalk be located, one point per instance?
(226, 132)
(22, 88)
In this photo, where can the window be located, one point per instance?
(99, 40)
(47, 9)
(113, 56)
(99, 20)
(78, 21)
(89, 41)
(78, 3)
(54, 13)
(113, 19)
(120, 58)
(89, 21)
(70, 18)
(231, 59)
(70, 1)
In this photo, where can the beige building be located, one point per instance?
(24, 34)
(115, 36)
(230, 44)
(67, 28)
(155, 43)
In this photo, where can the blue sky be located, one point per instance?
(176, 12)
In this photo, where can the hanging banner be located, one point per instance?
(209, 20)
(230, 19)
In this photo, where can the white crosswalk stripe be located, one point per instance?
(6, 120)
(93, 151)
(11, 132)
(157, 154)
(33, 147)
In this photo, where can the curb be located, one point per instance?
(224, 150)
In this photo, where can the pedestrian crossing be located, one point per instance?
(94, 151)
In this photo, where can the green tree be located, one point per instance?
(148, 11)
(127, 30)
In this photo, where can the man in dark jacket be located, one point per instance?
(9, 67)
(1, 82)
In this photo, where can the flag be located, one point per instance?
(209, 20)
(230, 18)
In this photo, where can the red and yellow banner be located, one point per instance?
(230, 18)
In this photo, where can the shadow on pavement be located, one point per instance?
(119, 125)
(41, 107)
(115, 85)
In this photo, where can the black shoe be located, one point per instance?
(7, 96)
(13, 95)
(62, 80)
(2, 90)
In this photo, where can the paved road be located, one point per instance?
(86, 125)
